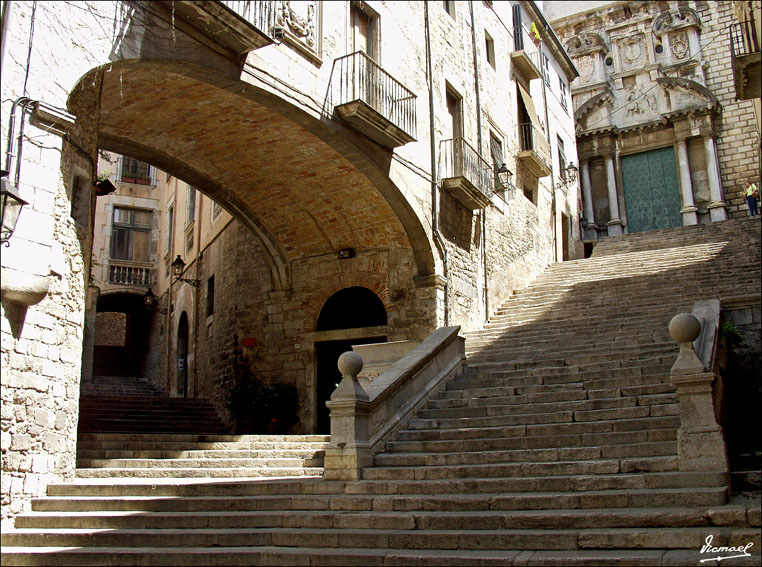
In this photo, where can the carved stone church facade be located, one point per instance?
(662, 140)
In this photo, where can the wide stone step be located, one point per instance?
(189, 463)
(529, 442)
(370, 557)
(549, 454)
(196, 472)
(503, 406)
(85, 454)
(518, 469)
(541, 429)
(474, 539)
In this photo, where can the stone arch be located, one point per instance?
(176, 97)
(605, 98)
(352, 307)
(329, 286)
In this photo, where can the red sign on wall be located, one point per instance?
(249, 342)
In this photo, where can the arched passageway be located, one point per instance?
(121, 331)
(350, 308)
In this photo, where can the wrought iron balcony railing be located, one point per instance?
(458, 159)
(121, 274)
(743, 39)
(259, 13)
(532, 142)
(357, 77)
(746, 59)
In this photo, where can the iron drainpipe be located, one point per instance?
(479, 141)
(434, 183)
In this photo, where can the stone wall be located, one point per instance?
(737, 138)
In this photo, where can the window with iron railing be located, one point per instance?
(259, 13)
(132, 170)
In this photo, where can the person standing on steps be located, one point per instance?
(752, 194)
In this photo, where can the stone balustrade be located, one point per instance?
(361, 420)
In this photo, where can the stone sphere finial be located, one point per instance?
(684, 328)
(350, 363)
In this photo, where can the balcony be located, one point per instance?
(239, 25)
(745, 56)
(466, 174)
(534, 150)
(127, 274)
(372, 101)
(525, 59)
(131, 170)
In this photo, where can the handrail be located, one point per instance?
(457, 158)
(358, 77)
(259, 13)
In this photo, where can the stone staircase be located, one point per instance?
(114, 404)
(555, 446)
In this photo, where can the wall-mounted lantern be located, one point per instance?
(10, 208)
(149, 300)
(178, 266)
(568, 176)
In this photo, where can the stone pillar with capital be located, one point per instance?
(587, 201)
(700, 439)
(615, 223)
(717, 210)
(686, 187)
(349, 451)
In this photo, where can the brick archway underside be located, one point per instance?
(271, 172)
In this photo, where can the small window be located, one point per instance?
(170, 229)
(546, 69)
(529, 194)
(216, 211)
(563, 93)
(190, 209)
(210, 296)
(490, 48)
(496, 151)
(449, 7)
(561, 158)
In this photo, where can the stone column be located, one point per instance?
(587, 200)
(717, 210)
(686, 187)
(349, 451)
(614, 224)
(700, 440)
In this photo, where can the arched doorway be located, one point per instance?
(350, 308)
(182, 356)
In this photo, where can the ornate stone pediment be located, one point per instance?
(684, 94)
(595, 113)
(674, 20)
(586, 42)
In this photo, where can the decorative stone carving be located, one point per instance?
(586, 42)
(632, 52)
(300, 22)
(674, 20)
(679, 45)
(586, 67)
(639, 101)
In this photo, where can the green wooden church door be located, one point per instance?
(651, 191)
